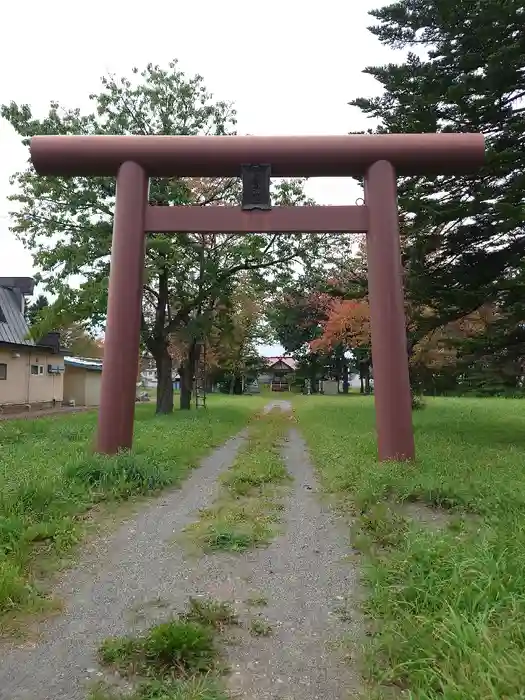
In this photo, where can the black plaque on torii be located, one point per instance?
(256, 187)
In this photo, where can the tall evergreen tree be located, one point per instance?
(32, 310)
(464, 237)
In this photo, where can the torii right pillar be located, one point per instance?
(393, 402)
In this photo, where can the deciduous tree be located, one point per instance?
(67, 222)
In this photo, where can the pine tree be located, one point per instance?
(463, 236)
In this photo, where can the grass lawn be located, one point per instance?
(443, 542)
(49, 480)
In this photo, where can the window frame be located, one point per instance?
(4, 366)
(39, 372)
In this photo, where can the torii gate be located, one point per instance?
(380, 158)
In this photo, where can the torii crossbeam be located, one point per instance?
(379, 158)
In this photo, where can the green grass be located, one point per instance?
(176, 660)
(256, 600)
(177, 647)
(248, 509)
(260, 627)
(50, 481)
(196, 688)
(446, 604)
(211, 613)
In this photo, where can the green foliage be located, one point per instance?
(194, 688)
(120, 476)
(442, 542)
(418, 402)
(32, 311)
(48, 481)
(188, 278)
(463, 236)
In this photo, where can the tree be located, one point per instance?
(347, 323)
(346, 329)
(32, 311)
(463, 237)
(67, 222)
(79, 342)
(73, 337)
(233, 344)
(296, 316)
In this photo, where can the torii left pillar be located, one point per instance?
(122, 340)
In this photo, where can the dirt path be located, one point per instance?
(139, 576)
(44, 412)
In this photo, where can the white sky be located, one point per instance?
(293, 70)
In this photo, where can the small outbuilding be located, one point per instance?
(82, 381)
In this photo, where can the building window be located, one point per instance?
(37, 370)
(3, 371)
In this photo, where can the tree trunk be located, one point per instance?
(367, 378)
(186, 381)
(364, 376)
(186, 385)
(232, 384)
(313, 378)
(346, 381)
(164, 365)
(187, 372)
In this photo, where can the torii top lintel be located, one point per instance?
(288, 156)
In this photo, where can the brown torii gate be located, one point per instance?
(380, 158)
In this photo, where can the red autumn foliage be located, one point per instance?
(347, 323)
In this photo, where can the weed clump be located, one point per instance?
(177, 660)
(119, 476)
(211, 613)
(260, 628)
(172, 648)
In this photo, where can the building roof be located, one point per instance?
(25, 285)
(292, 364)
(13, 326)
(84, 363)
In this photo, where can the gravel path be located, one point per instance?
(129, 568)
(306, 577)
(142, 576)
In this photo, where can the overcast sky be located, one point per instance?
(290, 67)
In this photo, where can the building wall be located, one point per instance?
(93, 381)
(21, 387)
(82, 386)
(75, 385)
(330, 388)
(265, 378)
